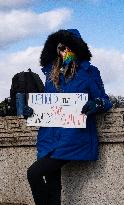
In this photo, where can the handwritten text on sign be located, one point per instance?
(57, 110)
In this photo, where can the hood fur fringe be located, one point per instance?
(77, 45)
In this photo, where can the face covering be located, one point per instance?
(68, 57)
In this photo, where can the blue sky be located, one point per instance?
(25, 25)
(100, 22)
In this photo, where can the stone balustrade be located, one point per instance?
(98, 182)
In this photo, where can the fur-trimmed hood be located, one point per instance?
(72, 39)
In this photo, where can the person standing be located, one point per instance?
(65, 60)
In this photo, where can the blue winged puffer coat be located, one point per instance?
(74, 143)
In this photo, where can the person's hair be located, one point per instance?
(55, 72)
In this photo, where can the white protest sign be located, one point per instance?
(57, 110)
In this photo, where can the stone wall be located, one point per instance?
(98, 182)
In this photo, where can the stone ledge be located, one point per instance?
(11, 204)
(14, 132)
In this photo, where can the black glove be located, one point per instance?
(27, 112)
(93, 106)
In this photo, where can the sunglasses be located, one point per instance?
(61, 47)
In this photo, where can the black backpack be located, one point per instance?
(24, 82)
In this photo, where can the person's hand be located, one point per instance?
(27, 112)
(93, 106)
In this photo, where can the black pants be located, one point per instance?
(44, 177)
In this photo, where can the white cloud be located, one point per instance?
(110, 63)
(14, 3)
(17, 24)
(111, 66)
(17, 62)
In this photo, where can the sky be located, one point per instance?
(26, 24)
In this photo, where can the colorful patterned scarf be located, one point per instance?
(69, 56)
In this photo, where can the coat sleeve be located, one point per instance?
(46, 90)
(46, 71)
(97, 90)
